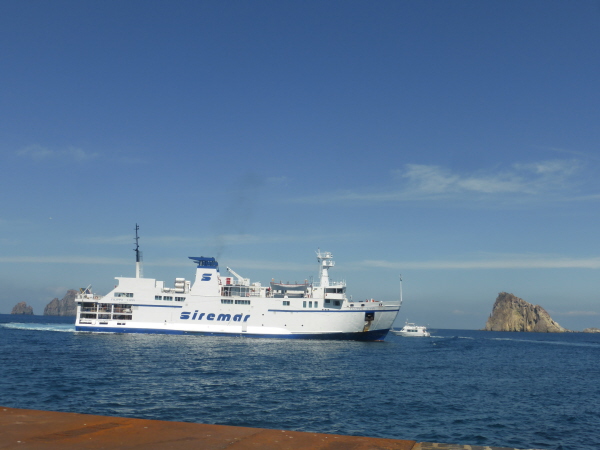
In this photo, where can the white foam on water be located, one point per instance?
(61, 327)
(545, 342)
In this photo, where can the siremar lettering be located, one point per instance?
(185, 315)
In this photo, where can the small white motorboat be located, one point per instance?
(411, 330)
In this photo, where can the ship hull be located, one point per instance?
(377, 335)
(265, 320)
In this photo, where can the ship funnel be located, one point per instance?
(207, 277)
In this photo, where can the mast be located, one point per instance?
(138, 254)
(400, 289)
(325, 261)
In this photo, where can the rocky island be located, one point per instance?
(511, 313)
(64, 307)
(22, 308)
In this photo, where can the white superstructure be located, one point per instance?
(231, 305)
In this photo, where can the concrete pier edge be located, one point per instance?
(34, 429)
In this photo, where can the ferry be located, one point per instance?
(230, 305)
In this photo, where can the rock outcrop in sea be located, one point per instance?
(64, 307)
(22, 308)
(592, 330)
(511, 313)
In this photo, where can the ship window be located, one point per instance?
(124, 294)
(334, 290)
(226, 301)
(242, 302)
(168, 298)
(336, 303)
(316, 304)
(158, 297)
(87, 316)
(180, 299)
(122, 317)
(103, 316)
(242, 291)
(327, 301)
(310, 304)
(304, 304)
(286, 303)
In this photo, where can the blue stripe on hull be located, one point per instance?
(127, 330)
(375, 335)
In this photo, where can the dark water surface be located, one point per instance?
(523, 390)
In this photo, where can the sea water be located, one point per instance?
(523, 390)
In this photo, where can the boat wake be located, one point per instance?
(548, 342)
(64, 328)
(545, 340)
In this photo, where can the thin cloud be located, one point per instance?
(420, 182)
(39, 153)
(579, 154)
(433, 180)
(63, 260)
(127, 239)
(13, 222)
(500, 262)
(281, 180)
(275, 266)
(459, 312)
(586, 198)
(209, 241)
(576, 313)
(530, 179)
(103, 240)
(89, 260)
(126, 159)
(163, 262)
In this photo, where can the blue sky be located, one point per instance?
(455, 143)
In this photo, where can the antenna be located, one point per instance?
(400, 289)
(137, 245)
(138, 254)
